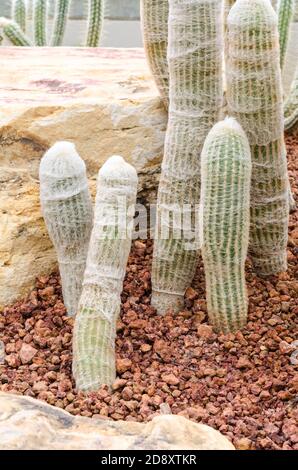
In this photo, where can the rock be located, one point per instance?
(243, 363)
(170, 379)
(105, 102)
(123, 365)
(286, 348)
(204, 331)
(243, 444)
(27, 353)
(29, 424)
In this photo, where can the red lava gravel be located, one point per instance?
(245, 384)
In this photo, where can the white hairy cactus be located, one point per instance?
(67, 210)
(154, 18)
(255, 98)
(196, 94)
(225, 206)
(99, 306)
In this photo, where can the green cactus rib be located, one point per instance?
(196, 95)
(40, 13)
(285, 17)
(225, 206)
(154, 20)
(60, 20)
(14, 33)
(19, 13)
(95, 22)
(99, 306)
(67, 210)
(254, 94)
(291, 105)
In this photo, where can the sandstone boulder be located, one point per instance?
(102, 100)
(29, 424)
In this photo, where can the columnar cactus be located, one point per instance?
(285, 17)
(225, 206)
(40, 13)
(95, 22)
(14, 33)
(99, 306)
(254, 93)
(19, 13)
(154, 18)
(67, 210)
(291, 105)
(60, 20)
(196, 95)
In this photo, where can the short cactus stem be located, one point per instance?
(154, 18)
(99, 306)
(14, 33)
(255, 99)
(19, 13)
(67, 210)
(95, 22)
(40, 13)
(60, 20)
(196, 95)
(285, 17)
(225, 206)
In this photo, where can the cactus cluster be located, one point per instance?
(67, 210)
(225, 206)
(15, 28)
(99, 306)
(154, 19)
(196, 90)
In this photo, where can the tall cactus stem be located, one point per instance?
(67, 210)
(255, 99)
(95, 22)
(40, 14)
(285, 17)
(154, 19)
(14, 33)
(225, 206)
(19, 13)
(196, 95)
(60, 20)
(99, 307)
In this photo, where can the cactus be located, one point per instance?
(99, 306)
(225, 205)
(60, 20)
(40, 13)
(196, 95)
(14, 33)
(67, 210)
(254, 94)
(19, 13)
(95, 22)
(154, 19)
(291, 105)
(285, 17)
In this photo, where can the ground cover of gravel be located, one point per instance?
(245, 384)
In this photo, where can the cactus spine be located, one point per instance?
(285, 17)
(225, 205)
(19, 13)
(95, 22)
(60, 20)
(254, 93)
(154, 19)
(14, 33)
(99, 307)
(196, 94)
(67, 210)
(40, 13)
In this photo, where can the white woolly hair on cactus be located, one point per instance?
(99, 306)
(224, 223)
(195, 56)
(255, 98)
(68, 213)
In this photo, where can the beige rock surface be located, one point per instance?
(29, 424)
(102, 100)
